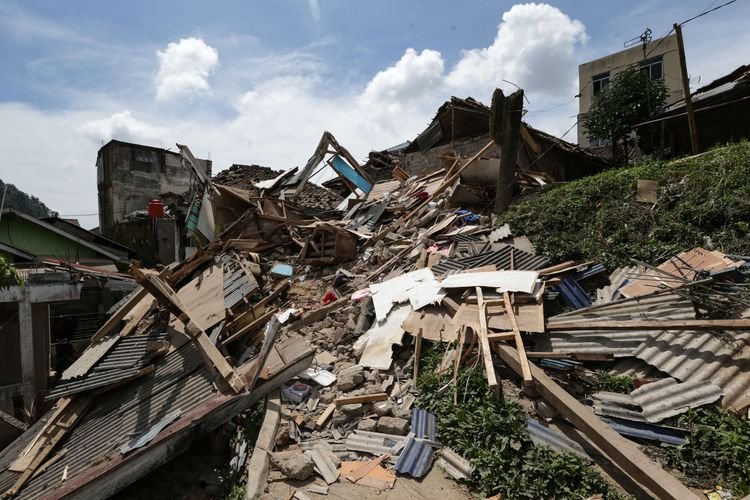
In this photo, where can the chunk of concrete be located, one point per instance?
(393, 425)
(298, 466)
(350, 378)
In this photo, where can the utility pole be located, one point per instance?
(505, 130)
(686, 89)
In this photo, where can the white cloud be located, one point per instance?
(122, 126)
(314, 9)
(278, 115)
(184, 68)
(534, 48)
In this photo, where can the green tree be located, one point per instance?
(630, 98)
(8, 274)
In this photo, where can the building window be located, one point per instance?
(654, 68)
(598, 82)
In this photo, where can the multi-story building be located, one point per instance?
(661, 62)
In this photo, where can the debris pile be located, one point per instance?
(329, 316)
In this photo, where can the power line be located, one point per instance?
(708, 11)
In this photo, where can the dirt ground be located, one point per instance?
(436, 485)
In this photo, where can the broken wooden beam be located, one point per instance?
(257, 466)
(621, 451)
(367, 398)
(211, 355)
(525, 370)
(323, 418)
(484, 342)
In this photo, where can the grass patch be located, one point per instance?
(700, 200)
(717, 451)
(493, 436)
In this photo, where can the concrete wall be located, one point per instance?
(153, 241)
(614, 63)
(130, 175)
(420, 164)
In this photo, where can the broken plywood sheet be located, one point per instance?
(435, 322)
(502, 281)
(530, 317)
(683, 267)
(378, 477)
(377, 343)
(204, 298)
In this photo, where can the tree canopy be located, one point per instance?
(630, 98)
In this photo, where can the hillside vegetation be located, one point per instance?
(18, 200)
(702, 201)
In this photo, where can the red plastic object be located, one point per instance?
(329, 297)
(156, 209)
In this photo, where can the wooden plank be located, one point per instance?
(367, 398)
(578, 356)
(417, 354)
(323, 418)
(525, 370)
(366, 468)
(211, 355)
(489, 366)
(61, 422)
(621, 451)
(203, 296)
(247, 329)
(448, 181)
(318, 314)
(679, 324)
(497, 337)
(257, 466)
(119, 315)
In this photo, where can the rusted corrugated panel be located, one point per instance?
(616, 280)
(416, 458)
(721, 358)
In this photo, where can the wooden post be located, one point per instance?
(686, 89)
(417, 354)
(505, 128)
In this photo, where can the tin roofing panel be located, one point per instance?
(423, 424)
(501, 258)
(543, 435)
(416, 458)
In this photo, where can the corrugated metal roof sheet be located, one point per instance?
(501, 258)
(644, 430)
(619, 343)
(722, 359)
(237, 282)
(423, 424)
(416, 458)
(181, 380)
(560, 364)
(90, 356)
(541, 434)
(573, 293)
(123, 359)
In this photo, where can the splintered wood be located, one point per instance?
(485, 345)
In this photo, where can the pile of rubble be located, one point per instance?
(328, 317)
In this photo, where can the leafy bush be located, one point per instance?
(493, 436)
(597, 218)
(717, 451)
(8, 274)
(614, 383)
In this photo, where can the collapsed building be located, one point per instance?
(324, 310)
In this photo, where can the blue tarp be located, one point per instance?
(346, 170)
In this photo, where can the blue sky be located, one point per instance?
(258, 82)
